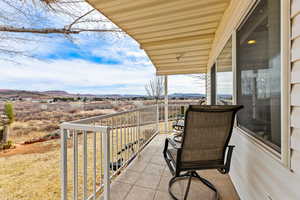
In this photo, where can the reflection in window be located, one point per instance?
(224, 82)
(258, 73)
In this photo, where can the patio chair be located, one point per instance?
(205, 139)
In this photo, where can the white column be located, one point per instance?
(166, 104)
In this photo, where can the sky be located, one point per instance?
(93, 64)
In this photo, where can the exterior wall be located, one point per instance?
(295, 87)
(257, 173)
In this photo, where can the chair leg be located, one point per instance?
(188, 186)
(189, 176)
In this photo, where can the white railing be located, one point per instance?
(96, 149)
(175, 112)
(100, 147)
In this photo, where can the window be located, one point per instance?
(224, 76)
(258, 73)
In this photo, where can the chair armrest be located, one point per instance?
(226, 169)
(173, 143)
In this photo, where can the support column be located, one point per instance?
(166, 104)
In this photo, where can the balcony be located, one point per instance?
(119, 156)
(147, 178)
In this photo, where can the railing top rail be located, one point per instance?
(99, 117)
(83, 127)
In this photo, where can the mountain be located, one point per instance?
(57, 93)
(6, 93)
(21, 94)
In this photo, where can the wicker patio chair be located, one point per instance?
(206, 135)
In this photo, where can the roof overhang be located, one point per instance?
(177, 35)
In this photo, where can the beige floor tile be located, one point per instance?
(137, 165)
(148, 180)
(140, 193)
(144, 157)
(158, 160)
(167, 172)
(154, 169)
(128, 176)
(162, 196)
(164, 185)
(119, 190)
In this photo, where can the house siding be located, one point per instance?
(256, 173)
(295, 87)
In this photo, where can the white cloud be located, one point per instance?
(185, 84)
(85, 77)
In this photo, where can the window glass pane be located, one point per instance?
(258, 73)
(224, 76)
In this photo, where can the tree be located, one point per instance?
(10, 117)
(155, 88)
(32, 21)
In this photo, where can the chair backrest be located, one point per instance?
(207, 132)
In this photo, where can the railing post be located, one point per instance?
(157, 117)
(85, 192)
(139, 130)
(64, 161)
(106, 151)
(166, 104)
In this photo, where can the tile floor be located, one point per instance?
(147, 178)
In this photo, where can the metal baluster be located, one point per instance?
(94, 164)
(135, 132)
(85, 165)
(101, 157)
(117, 142)
(121, 133)
(112, 144)
(75, 165)
(127, 136)
(131, 134)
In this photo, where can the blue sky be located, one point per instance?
(88, 63)
(104, 65)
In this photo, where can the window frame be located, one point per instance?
(272, 145)
(284, 156)
(213, 84)
(216, 71)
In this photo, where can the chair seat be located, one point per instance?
(205, 164)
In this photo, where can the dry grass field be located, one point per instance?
(32, 172)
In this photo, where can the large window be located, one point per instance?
(258, 73)
(224, 76)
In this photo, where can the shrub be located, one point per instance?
(9, 112)
(8, 145)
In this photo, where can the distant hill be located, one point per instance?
(6, 93)
(21, 94)
(57, 93)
